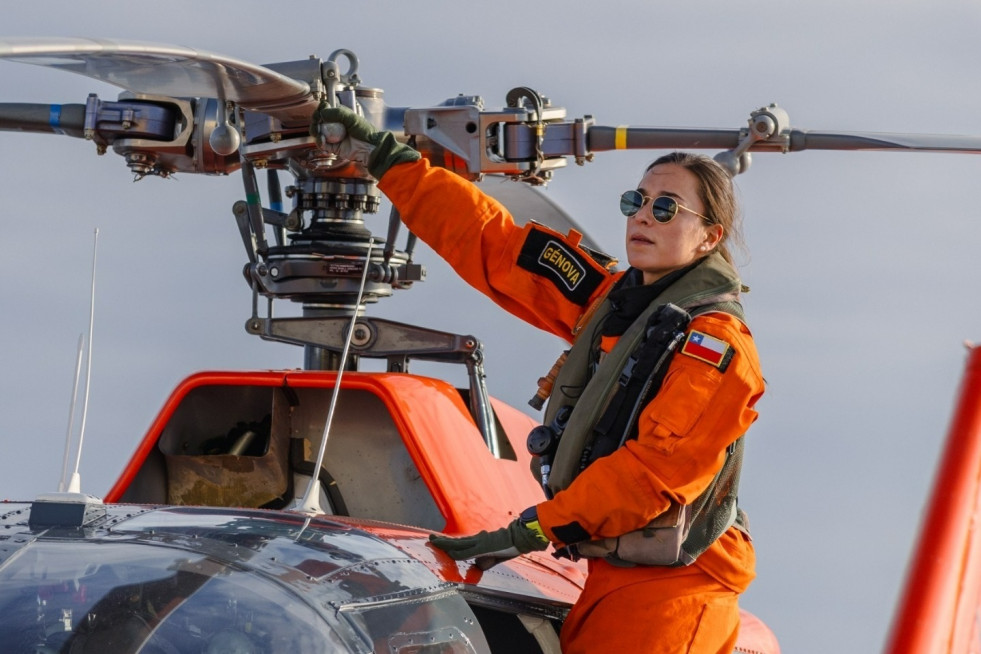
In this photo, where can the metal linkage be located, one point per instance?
(397, 343)
(527, 141)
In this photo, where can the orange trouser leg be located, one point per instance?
(673, 611)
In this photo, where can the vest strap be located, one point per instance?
(639, 380)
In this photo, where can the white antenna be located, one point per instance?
(75, 485)
(71, 416)
(310, 504)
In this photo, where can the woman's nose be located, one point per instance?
(644, 214)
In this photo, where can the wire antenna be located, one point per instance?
(63, 482)
(75, 485)
(310, 504)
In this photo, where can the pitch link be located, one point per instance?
(765, 124)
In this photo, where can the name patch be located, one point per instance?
(569, 270)
(559, 260)
(709, 349)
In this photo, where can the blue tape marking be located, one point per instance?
(54, 118)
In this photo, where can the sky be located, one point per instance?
(862, 265)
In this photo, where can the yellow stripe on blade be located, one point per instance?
(620, 140)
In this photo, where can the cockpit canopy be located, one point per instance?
(169, 581)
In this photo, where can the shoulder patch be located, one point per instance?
(709, 349)
(572, 272)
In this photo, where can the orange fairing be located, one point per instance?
(471, 489)
(939, 608)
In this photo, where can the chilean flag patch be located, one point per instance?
(708, 349)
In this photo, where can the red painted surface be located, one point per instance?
(755, 637)
(938, 611)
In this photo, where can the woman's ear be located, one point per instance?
(713, 234)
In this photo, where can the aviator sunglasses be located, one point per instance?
(664, 208)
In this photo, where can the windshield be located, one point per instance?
(82, 598)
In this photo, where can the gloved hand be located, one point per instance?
(376, 150)
(523, 535)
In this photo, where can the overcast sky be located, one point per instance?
(863, 266)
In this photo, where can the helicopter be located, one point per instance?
(229, 448)
(128, 127)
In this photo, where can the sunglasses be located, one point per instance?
(664, 208)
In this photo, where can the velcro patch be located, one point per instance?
(569, 270)
(709, 349)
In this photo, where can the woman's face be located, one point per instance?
(659, 248)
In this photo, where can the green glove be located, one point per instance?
(523, 535)
(376, 150)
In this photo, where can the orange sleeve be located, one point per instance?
(532, 272)
(682, 438)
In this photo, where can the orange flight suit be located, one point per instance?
(683, 431)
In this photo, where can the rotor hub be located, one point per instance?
(332, 201)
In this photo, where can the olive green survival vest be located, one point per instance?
(711, 286)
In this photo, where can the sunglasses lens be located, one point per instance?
(664, 209)
(630, 203)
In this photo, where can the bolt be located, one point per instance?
(361, 335)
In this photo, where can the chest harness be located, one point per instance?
(591, 413)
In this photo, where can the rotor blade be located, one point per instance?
(68, 119)
(526, 203)
(656, 138)
(808, 140)
(169, 70)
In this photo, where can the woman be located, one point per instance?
(681, 456)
